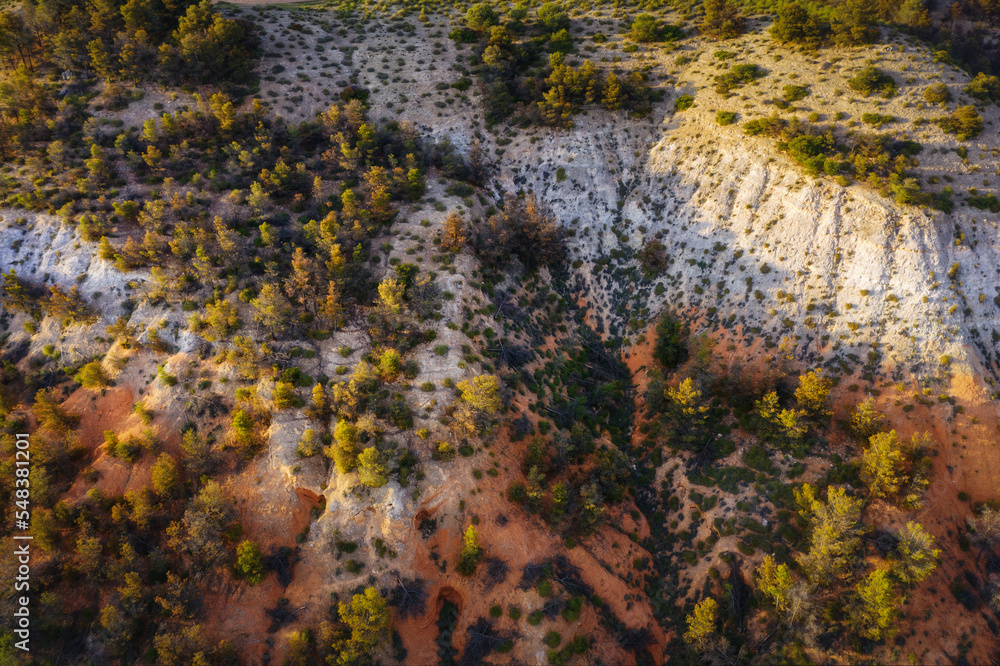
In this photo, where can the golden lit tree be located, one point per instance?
(882, 465)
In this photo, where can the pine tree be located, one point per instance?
(165, 476)
(882, 465)
(368, 617)
(613, 94)
(224, 111)
(687, 410)
(453, 232)
(479, 405)
(101, 59)
(775, 582)
(344, 449)
(271, 308)
(471, 553)
(913, 14)
(813, 395)
(915, 555)
(701, 623)
(199, 458)
(866, 420)
(873, 609)
(91, 376)
(373, 469)
(723, 19)
(835, 532)
(250, 563)
(243, 427)
(301, 285)
(391, 292)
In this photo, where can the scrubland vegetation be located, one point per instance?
(275, 309)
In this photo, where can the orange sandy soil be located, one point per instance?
(272, 513)
(968, 459)
(110, 409)
(523, 540)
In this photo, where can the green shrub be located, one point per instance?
(965, 122)
(91, 376)
(724, 118)
(794, 93)
(937, 93)
(877, 119)
(737, 76)
(984, 202)
(985, 88)
(756, 458)
(871, 80)
(573, 608)
(683, 103)
(771, 127)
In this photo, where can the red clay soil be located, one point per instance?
(967, 460)
(109, 409)
(520, 539)
(272, 514)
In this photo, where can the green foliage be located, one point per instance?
(835, 532)
(91, 376)
(683, 103)
(877, 119)
(871, 80)
(480, 404)
(200, 532)
(250, 563)
(165, 477)
(882, 465)
(813, 395)
(737, 76)
(725, 118)
(965, 122)
(984, 202)
(481, 17)
(284, 396)
(687, 410)
(756, 458)
(723, 19)
(795, 24)
(853, 23)
(915, 557)
(670, 349)
(471, 553)
(771, 127)
(373, 468)
(937, 93)
(504, 66)
(701, 624)
(985, 87)
(775, 583)
(873, 609)
(866, 421)
(368, 618)
(646, 28)
(792, 93)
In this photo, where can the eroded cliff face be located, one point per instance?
(757, 247)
